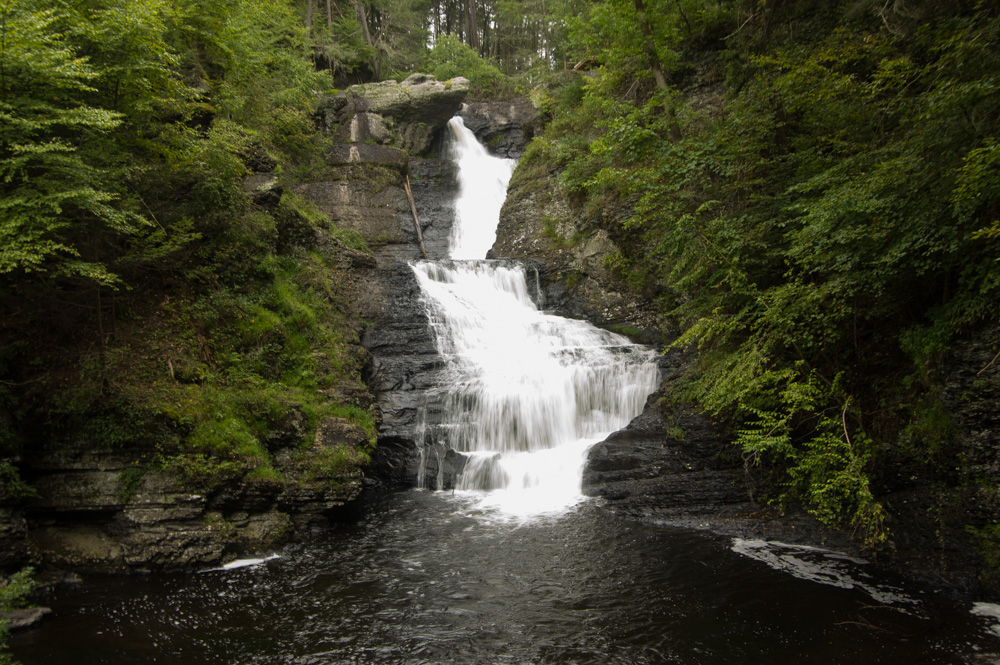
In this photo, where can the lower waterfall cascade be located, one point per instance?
(525, 393)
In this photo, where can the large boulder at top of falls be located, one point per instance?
(405, 115)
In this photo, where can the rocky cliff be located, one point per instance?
(111, 507)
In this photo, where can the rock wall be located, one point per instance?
(939, 483)
(504, 127)
(364, 189)
(671, 464)
(943, 493)
(537, 222)
(96, 510)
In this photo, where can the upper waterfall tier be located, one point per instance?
(482, 180)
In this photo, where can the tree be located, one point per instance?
(47, 190)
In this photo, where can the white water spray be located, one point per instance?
(482, 187)
(528, 393)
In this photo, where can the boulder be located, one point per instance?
(408, 115)
(668, 463)
(21, 619)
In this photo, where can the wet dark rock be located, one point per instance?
(435, 185)
(669, 463)
(405, 358)
(13, 533)
(395, 464)
(441, 467)
(943, 495)
(504, 127)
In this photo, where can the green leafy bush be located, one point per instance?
(450, 57)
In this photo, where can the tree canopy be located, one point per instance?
(814, 189)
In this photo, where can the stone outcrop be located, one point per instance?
(537, 222)
(22, 619)
(944, 493)
(505, 127)
(382, 132)
(672, 464)
(407, 115)
(102, 509)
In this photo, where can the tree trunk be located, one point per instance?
(363, 18)
(654, 64)
(647, 32)
(329, 13)
(473, 28)
(546, 47)
(309, 15)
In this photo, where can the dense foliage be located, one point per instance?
(147, 300)
(815, 189)
(13, 593)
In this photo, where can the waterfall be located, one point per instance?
(482, 187)
(526, 393)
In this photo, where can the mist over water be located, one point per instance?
(528, 393)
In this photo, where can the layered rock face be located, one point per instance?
(504, 127)
(537, 222)
(668, 464)
(96, 510)
(393, 137)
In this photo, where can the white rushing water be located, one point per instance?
(482, 187)
(528, 393)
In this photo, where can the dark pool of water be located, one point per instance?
(418, 579)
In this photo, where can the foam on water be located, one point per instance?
(244, 563)
(819, 565)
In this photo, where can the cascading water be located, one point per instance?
(526, 393)
(482, 186)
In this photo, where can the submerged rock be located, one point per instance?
(21, 619)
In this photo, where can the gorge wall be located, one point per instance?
(114, 508)
(671, 464)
